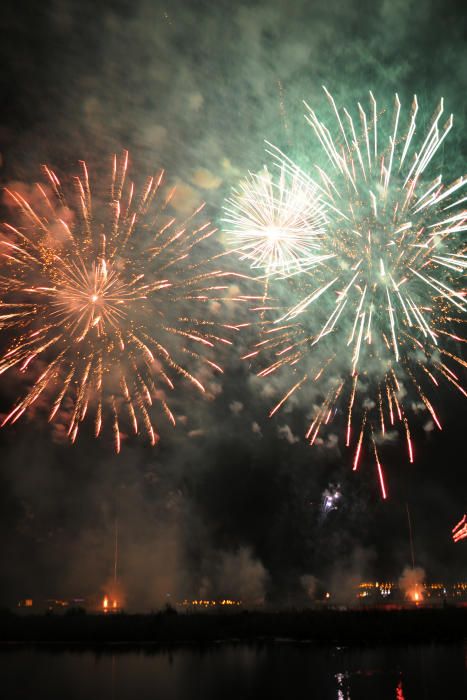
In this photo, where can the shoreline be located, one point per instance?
(168, 629)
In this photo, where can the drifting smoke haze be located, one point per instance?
(234, 575)
(411, 580)
(230, 502)
(310, 585)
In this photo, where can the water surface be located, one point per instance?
(237, 672)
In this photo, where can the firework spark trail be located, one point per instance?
(459, 532)
(276, 224)
(99, 302)
(385, 299)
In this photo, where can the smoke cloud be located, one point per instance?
(411, 580)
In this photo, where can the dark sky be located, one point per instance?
(220, 507)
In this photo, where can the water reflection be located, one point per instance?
(236, 672)
(343, 693)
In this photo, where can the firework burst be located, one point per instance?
(378, 321)
(276, 224)
(95, 302)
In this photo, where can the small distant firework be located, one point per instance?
(330, 499)
(276, 224)
(459, 532)
(96, 302)
(378, 320)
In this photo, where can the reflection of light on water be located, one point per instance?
(113, 677)
(400, 691)
(343, 685)
(340, 678)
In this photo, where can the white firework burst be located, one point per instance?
(276, 223)
(385, 304)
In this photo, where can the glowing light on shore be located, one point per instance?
(415, 595)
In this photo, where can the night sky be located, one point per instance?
(228, 504)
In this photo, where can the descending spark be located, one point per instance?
(102, 306)
(459, 532)
(359, 444)
(276, 224)
(383, 302)
(380, 469)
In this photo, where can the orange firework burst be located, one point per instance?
(95, 302)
